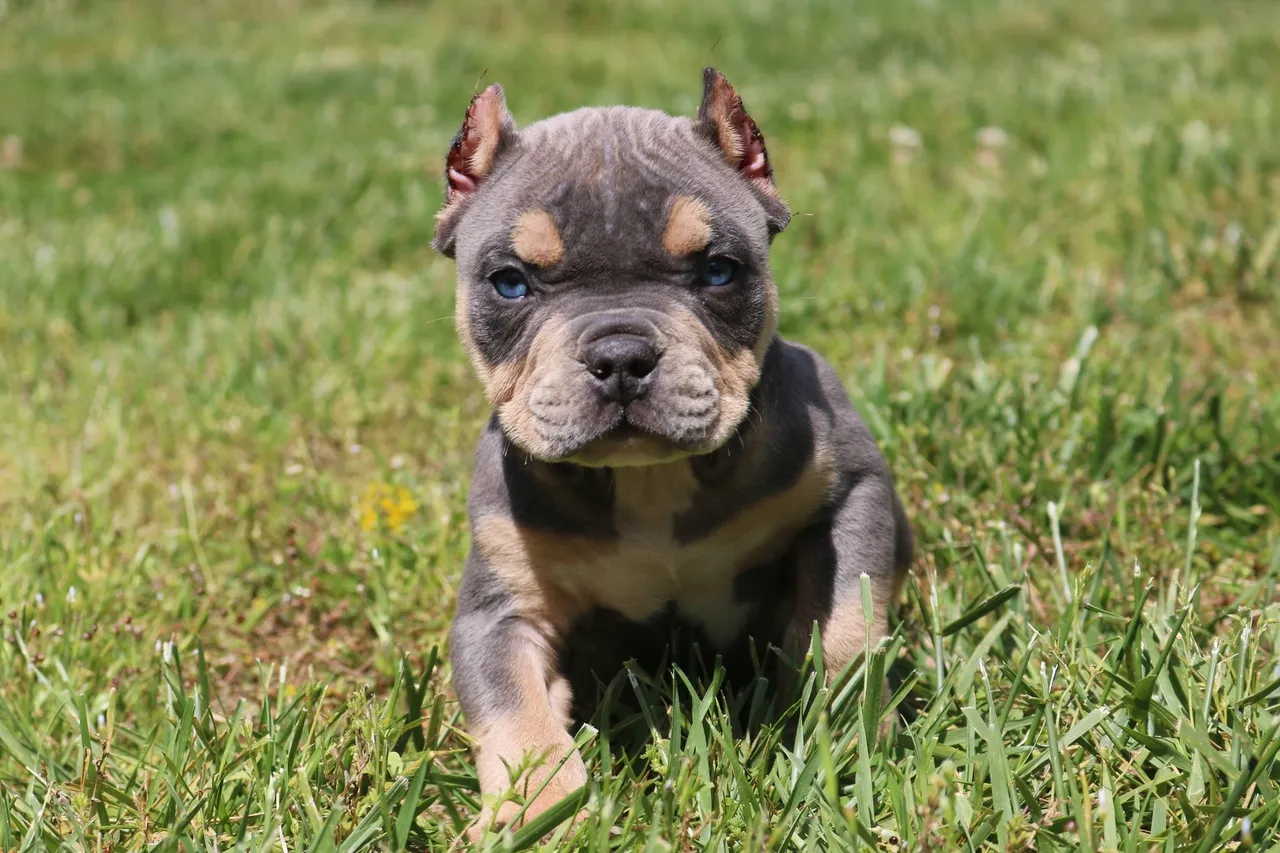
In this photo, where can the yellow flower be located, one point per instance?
(392, 504)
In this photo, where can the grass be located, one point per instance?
(236, 428)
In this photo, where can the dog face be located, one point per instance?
(614, 292)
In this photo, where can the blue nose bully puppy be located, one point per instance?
(659, 461)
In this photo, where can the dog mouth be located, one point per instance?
(677, 413)
(627, 444)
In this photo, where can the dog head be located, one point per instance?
(614, 291)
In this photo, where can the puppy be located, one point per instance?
(657, 457)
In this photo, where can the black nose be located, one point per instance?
(620, 364)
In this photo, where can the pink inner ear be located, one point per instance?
(754, 162)
(460, 183)
(458, 172)
(459, 167)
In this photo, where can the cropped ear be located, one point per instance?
(486, 132)
(724, 119)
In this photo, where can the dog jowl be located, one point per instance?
(658, 458)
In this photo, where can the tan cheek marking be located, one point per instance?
(536, 239)
(688, 227)
(502, 381)
(739, 372)
(507, 385)
(735, 373)
(462, 323)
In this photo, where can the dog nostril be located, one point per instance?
(619, 362)
(641, 366)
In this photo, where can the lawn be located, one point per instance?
(1039, 240)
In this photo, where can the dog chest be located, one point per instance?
(645, 567)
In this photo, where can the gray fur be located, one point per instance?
(799, 404)
(608, 178)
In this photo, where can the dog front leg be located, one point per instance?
(868, 535)
(515, 702)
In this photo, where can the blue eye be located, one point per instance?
(510, 283)
(719, 271)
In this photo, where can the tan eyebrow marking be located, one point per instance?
(536, 239)
(688, 227)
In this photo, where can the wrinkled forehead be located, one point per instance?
(610, 181)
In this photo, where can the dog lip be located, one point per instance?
(624, 429)
(629, 440)
(628, 430)
(618, 430)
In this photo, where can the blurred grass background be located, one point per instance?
(1040, 240)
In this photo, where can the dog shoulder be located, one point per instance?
(811, 379)
(812, 383)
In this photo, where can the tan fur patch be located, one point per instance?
(721, 106)
(735, 374)
(539, 568)
(844, 631)
(462, 324)
(555, 578)
(488, 118)
(535, 737)
(636, 451)
(759, 533)
(688, 227)
(648, 496)
(536, 239)
(502, 381)
(510, 384)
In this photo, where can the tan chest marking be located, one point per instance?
(558, 577)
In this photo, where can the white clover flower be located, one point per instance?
(992, 137)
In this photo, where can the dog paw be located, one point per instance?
(489, 821)
(506, 816)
